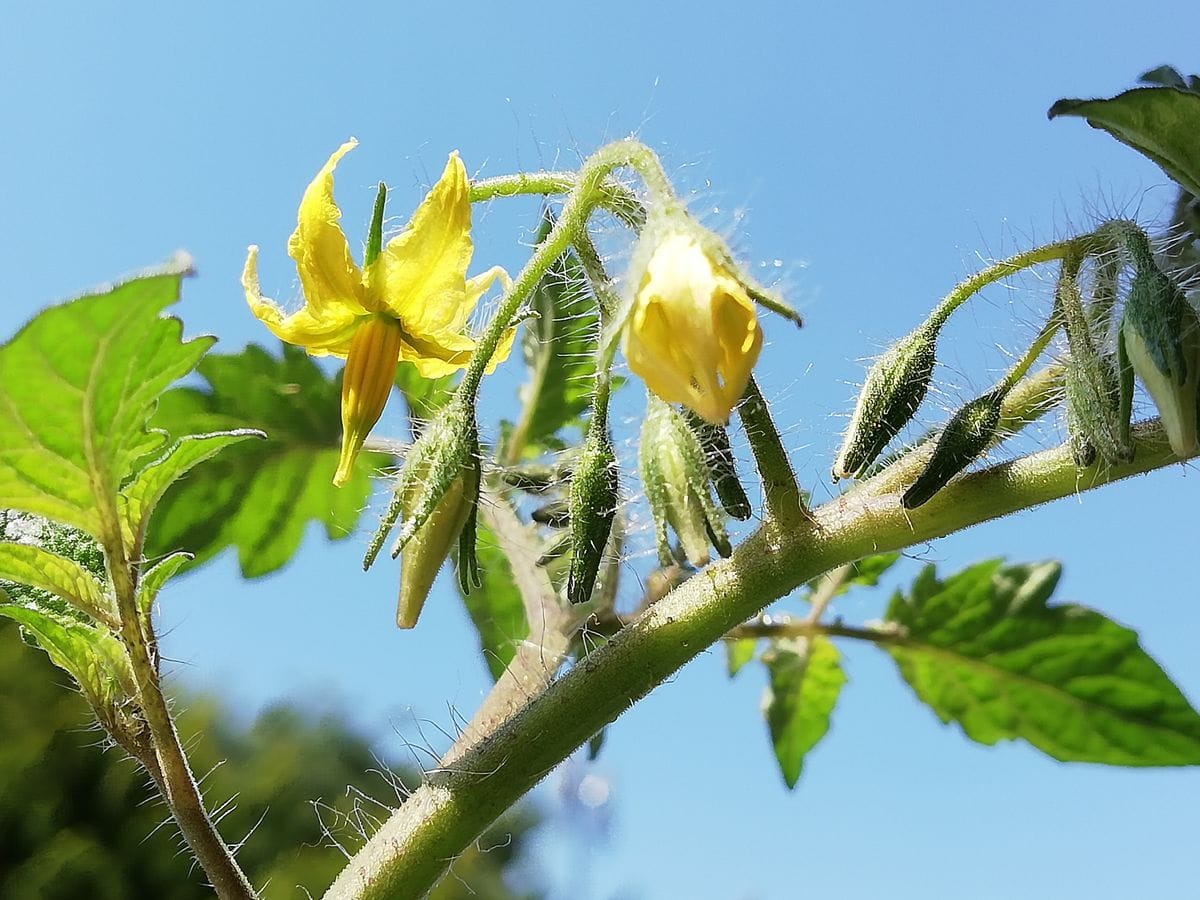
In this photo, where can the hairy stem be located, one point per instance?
(170, 768)
(782, 495)
(585, 195)
(614, 197)
(997, 271)
(408, 854)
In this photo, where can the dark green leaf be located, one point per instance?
(1161, 123)
(984, 649)
(806, 679)
(259, 496)
(559, 348)
(738, 653)
(77, 385)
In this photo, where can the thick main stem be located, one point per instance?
(408, 854)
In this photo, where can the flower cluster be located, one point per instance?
(690, 331)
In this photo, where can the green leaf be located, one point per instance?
(984, 649)
(560, 352)
(1161, 123)
(65, 578)
(156, 576)
(259, 496)
(805, 681)
(77, 385)
(738, 653)
(496, 608)
(144, 492)
(93, 657)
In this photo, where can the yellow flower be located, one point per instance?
(410, 303)
(692, 335)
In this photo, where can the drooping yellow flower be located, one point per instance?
(410, 303)
(692, 334)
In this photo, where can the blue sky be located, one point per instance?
(863, 156)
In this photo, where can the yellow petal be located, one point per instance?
(423, 270)
(446, 351)
(328, 274)
(323, 332)
(693, 335)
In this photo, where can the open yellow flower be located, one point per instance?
(692, 334)
(409, 303)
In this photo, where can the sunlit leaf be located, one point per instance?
(77, 385)
(39, 568)
(141, 496)
(1159, 122)
(805, 681)
(984, 649)
(259, 496)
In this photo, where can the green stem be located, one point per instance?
(997, 271)
(170, 767)
(784, 503)
(614, 197)
(410, 851)
(1025, 363)
(589, 188)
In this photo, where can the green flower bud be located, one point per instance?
(676, 477)
(895, 388)
(965, 437)
(435, 497)
(593, 505)
(714, 439)
(1161, 335)
(430, 546)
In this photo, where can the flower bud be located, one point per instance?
(894, 389)
(676, 479)
(434, 498)
(693, 333)
(719, 456)
(593, 505)
(965, 437)
(432, 542)
(1161, 335)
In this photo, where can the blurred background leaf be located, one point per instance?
(259, 497)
